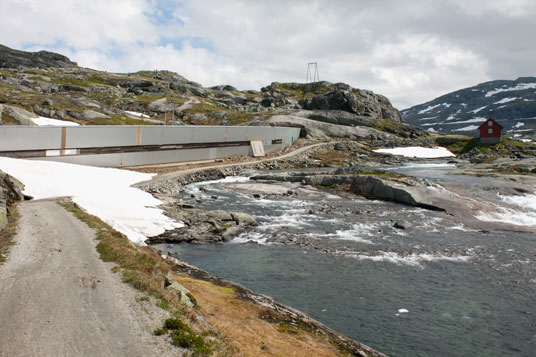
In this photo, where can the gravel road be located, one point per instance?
(57, 298)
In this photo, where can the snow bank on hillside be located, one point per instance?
(520, 86)
(43, 121)
(103, 192)
(137, 114)
(415, 151)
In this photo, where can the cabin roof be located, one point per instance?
(493, 120)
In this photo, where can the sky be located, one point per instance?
(411, 51)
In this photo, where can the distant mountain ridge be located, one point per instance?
(511, 103)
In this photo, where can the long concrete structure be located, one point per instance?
(119, 146)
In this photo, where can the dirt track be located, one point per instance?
(57, 298)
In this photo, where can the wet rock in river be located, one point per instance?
(204, 227)
(402, 224)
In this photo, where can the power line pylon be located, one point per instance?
(312, 76)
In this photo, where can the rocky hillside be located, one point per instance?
(50, 85)
(511, 103)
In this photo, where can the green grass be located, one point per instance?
(183, 336)
(116, 119)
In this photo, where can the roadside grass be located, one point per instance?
(143, 269)
(8, 233)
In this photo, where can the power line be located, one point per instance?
(312, 75)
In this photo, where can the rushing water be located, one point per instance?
(436, 288)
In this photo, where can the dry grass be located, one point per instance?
(8, 233)
(249, 334)
(333, 157)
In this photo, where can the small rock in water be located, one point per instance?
(256, 195)
(402, 224)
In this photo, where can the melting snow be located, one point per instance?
(415, 151)
(103, 192)
(474, 120)
(429, 108)
(136, 114)
(521, 86)
(42, 121)
(478, 109)
(467, 128)
(506, 100)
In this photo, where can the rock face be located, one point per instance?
(10, 192)
(364, 103)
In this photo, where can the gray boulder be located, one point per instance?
(91, 114)
(160, 106)
(408, 191)
(22, 116)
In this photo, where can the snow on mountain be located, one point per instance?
(511, 103)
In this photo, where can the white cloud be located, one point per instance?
(512, 8)
(410, 51)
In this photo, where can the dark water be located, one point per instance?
(467, 293)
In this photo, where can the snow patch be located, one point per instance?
(521, 86)
(136, 114)
(416, 151)
(478, 109)
(474, 120)
(102, 192)
(467, 128)
(43, 121)
(429, 108)
(506, 100)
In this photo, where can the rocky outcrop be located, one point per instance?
(10, 192)
(10, 58)
(202, 227)
(23, 117)
(314, 129)
(356, 101)
(407, 190)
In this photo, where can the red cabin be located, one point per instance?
(490, 131)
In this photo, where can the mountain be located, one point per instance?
(511, 103)
(51, 85)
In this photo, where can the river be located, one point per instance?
(436, 288)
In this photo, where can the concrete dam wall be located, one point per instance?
(119, 146)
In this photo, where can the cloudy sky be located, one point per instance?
(411, 51)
